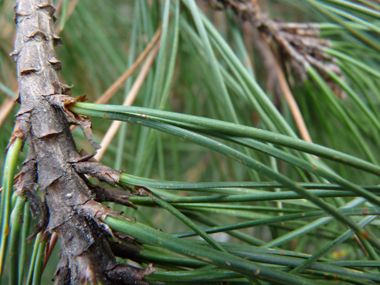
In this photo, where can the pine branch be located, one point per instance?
(53, 161)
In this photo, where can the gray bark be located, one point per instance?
(54, 165)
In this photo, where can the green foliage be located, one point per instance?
(236, 194)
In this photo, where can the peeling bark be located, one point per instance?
(70, 206)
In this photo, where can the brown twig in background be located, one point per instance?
(194, 173)
(276, 81)
(297, 115)
(128, 101)
(119, 82)
(6, 108)
(70, 10)
(359, 243)
(58, 7)
(8, 104)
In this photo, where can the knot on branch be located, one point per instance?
(62, 101)
(130, 275)
(98, 170)
(108, 194)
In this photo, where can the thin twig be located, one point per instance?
(8, 103)
(70, 10)
(272, 62)
(297, 115)
(58, 7)
(359, 243)
(6, 108)
(128, 101)
(119, 82)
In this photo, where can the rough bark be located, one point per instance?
(70, 206)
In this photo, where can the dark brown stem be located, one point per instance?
(54, 162)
